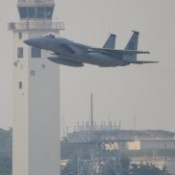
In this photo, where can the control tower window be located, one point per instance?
(31, 12)
(20, 52)
(35, 52)
(40, 12)
(36, 12)
(48, 12)
(23, 12)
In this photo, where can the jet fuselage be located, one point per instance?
(77, 52)
(74, 54)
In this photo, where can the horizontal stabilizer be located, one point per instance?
(142, 62)
(120, 51)
(64, 61)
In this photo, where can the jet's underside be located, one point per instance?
(90, 58)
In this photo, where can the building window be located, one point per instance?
(35, 52)
(32, 73)
(20, 52)
(40, 12)
(23, 12)
(20, 85)
(48, 12)
(31, 12)
(35, 12)
(20, 35)
(43, 66)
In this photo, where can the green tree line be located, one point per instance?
(6, 152)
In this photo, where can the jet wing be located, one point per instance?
(120, 51)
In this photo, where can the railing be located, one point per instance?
(103, 136)
(43, 25)
(35, 1)
(97, 127)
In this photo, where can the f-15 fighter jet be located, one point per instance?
(74, 54)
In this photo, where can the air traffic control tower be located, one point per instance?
(36, 125)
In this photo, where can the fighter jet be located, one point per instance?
(74, 54)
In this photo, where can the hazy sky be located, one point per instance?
(145, 92)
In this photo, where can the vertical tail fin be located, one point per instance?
(132, 45)
(133, 42)
(110, 42)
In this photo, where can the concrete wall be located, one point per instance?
(157, 144)
(36, 112)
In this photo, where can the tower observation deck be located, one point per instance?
(36, 15)
(35, 9)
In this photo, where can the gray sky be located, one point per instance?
(145, 92)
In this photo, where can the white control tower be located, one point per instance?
(36, 125)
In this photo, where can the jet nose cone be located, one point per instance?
(28, 42)
(25, 41)
(35, 42)
(38, 42)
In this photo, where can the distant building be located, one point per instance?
(131, 139)
(155, 147)
(134, 145)
(152, 139)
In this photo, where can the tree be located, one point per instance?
(146, 169)
(5, 152)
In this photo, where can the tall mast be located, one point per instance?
(92, 117)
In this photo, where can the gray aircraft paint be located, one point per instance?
(74, 54)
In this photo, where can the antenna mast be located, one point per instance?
(92, 117)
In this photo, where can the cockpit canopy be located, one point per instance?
(50, 35)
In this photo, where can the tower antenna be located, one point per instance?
(92, 117)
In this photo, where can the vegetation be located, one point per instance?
(116, 163)
(121, 164)
(5, 152)
(114, 167)
(146, 170)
